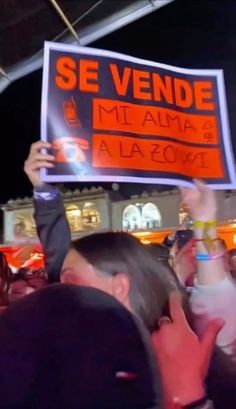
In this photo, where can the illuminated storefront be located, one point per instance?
(86, 211)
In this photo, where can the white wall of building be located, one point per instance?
(8, 233)
(167, 204)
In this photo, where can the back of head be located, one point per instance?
(115, 253)
(160, 250)
(74, 347)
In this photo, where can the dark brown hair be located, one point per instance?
(114, 253)
(162, 255)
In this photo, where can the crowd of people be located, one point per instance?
(160, 316)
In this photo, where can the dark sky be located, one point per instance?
(191, 34)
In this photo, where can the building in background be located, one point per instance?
(86, 211)
(150, 215)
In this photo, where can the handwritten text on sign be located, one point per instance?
(114, 117)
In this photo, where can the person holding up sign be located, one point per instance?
(50, 219)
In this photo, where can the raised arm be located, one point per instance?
(202, 205)
(52, 226)
(214, 293)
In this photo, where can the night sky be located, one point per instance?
(191, 34)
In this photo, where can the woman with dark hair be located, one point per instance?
(25, 282)
(122, 266)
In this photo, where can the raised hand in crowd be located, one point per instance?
(184, 262)
(201, 201)
(183, 358)
(49, 213)
(37, 160)
(202, 205)
(214, 293)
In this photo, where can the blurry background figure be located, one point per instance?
(185, 225)
(232, 262)
(27, 255)
(5, 279)
(25, 282)
(20, 230)
(181, 255)
(184, 262)
(21, 273)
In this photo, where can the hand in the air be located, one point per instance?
(201, 202)
(36, 161)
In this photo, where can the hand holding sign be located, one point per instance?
(36, 161)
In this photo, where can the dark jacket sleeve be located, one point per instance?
(53, 232)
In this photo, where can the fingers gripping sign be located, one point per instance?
(38, 158)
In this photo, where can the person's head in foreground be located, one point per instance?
(122, 266)
(78, 348)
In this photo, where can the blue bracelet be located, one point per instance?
(207, 257)
(202, 257)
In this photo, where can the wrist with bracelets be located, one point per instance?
(204, 225)
(209, 257)
(208, 241)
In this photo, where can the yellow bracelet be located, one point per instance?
(211, 223)
(209, 242)
(198, 224)
(201, 224)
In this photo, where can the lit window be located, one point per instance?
(24, 225)
(90, 216)
(141, 216)
(131, 218)
(151, 217)
(73, 214)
